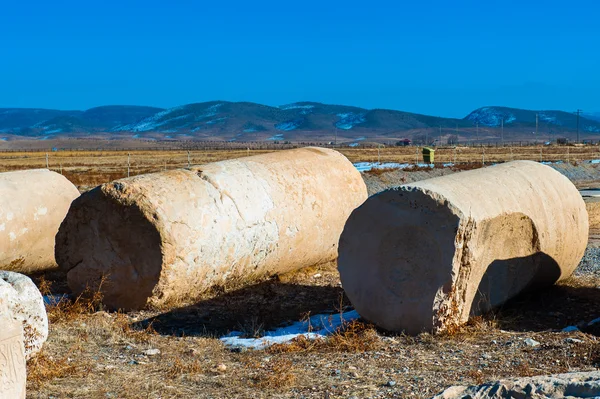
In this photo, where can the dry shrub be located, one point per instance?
(67, 310)
(378, 171)
(476, 375)
(123, 323)
(354, 336)
(524, 370)
(44, 368)
(179, 368)
(275, 374)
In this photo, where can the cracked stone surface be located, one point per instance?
(160, 238)
(427, 255)
(12, 356)
(569, 385)
(25, 305)
(33, 203)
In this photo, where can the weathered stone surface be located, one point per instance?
(33, 203)
(12, 356)
(571, 385)
(162, 237)
(426, 255)
(26, 306)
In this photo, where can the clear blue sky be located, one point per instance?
(434, 57)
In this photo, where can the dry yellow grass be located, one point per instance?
(91, 168)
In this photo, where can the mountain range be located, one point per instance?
(301, 121)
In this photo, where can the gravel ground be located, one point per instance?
(590, 264)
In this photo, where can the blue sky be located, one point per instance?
(435, 57)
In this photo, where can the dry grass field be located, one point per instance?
(176, 353)
(90, 168)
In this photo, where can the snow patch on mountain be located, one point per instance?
(289, 125)
(149, 123)
(350, 119)
(548, 118)
(296, 106)
(491, 117)
(218, 120)
(211, 111)
(276, 137)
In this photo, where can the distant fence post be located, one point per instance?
(189, 163)
(128, 163)
(47, 167)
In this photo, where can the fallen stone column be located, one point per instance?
(559, 386)
(25, 305)
(33, 203)
(161, 238)
(13, 374)
(427, 255)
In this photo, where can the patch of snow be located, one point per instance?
(548, 118)
(570, 329)
(136, 136)
(296, 106)
(210, 111)
(152, 122)
(366, 166)
(491, 117)
(592, 129)
(3, 139)
(289, 125)
(53, 131)
(350, 119)
(353, 145)
(53, 300)
(276, 137)
(250, 130)
(218, 120)
(318, 326)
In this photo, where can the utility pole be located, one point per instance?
(502, 132)
(440, 135)
(578, 112)
(477, 131)
(536, 125)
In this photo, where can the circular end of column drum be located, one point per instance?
(110, 245)
(395, 258)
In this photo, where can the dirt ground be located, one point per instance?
(91, 168)
(176, 353)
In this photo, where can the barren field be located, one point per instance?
(176, 353)
(90, 168)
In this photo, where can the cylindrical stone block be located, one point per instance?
(162, 238)
(33, 203)
(427, 255)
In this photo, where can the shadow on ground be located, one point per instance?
(251, 310)
(552, 308)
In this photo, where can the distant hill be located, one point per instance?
(514, 117)
(301, 121)
(592, 115)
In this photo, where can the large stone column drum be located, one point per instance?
(162, 238)
(427, 255)
(33, 203)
